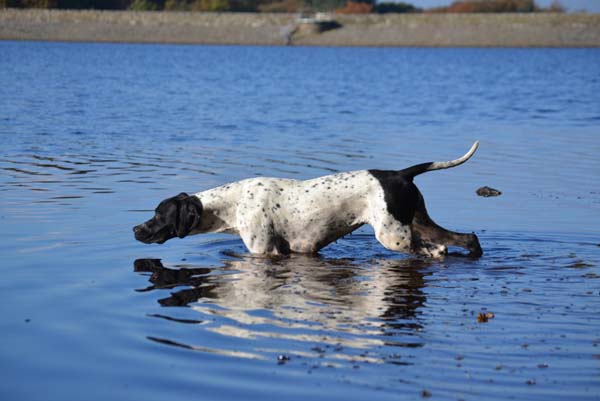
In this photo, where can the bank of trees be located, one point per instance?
(340, 6)
(498, 6)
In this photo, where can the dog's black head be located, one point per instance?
(174, 217)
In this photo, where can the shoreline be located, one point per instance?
(379, 30)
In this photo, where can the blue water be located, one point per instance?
(93, 136)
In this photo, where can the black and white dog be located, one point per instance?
(279, 216)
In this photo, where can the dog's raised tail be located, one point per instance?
(413, 171)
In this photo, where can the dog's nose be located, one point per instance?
(137, 231)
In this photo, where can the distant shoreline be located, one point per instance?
(399, 30)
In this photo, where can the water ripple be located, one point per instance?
(90, 146)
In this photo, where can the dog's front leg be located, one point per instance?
(264, 240)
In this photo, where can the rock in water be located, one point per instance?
(487, 192)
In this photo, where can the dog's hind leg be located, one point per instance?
(427, 232)
(395, 236)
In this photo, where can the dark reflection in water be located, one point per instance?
(315, 297)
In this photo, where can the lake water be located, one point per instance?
(93, 136)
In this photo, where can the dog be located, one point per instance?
(280, 216)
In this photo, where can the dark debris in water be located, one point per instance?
(484, 317)
(487, 192)
(580, 265)
(283, 359)
(318, 350)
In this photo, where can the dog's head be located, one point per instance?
(174, 217)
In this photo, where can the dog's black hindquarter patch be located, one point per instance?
(400, 193)
(405, 202)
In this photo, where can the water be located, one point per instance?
(94, 135)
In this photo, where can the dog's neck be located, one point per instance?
(219, 209)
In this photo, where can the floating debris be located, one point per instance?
(282, 359)
(487, 192)
(542, 366)
(484, 317)
(425, 394)
(580, 264)
(318, 350)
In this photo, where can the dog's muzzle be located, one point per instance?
(152, 234)
(141, 233)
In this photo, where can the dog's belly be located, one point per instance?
(313, 240)
(302, 216)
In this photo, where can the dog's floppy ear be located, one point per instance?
(190, 213)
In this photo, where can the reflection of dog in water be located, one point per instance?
(388, 290)
(279, 216)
